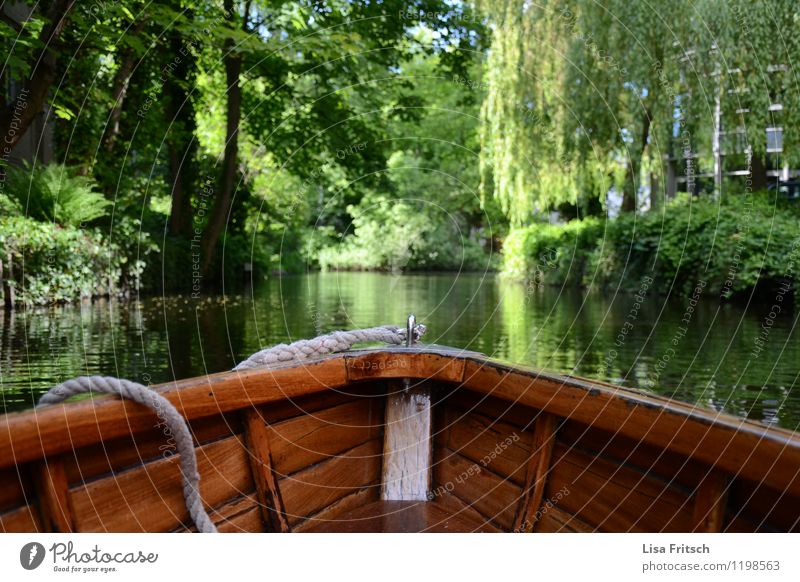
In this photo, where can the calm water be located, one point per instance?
(697, 353)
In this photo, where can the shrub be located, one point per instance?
(396, 236)
(733, 245)
(53, 193)
(54, 264)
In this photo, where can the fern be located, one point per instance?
(53, 193)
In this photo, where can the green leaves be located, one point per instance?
(54, 193)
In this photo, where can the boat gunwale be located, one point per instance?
(31, 435)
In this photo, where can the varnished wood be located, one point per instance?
(150, 497)
(54, 496)
(309, 491)
(305, 440)
(401, 517)
(22, 519)
(544, 438)
(631, 461)
(500, 447)
(494, 496)
(709, 502)
(258, 448)
(332, 512)
(614, 498)
(407, 445)
(555, 520)
(242, 514)
(762, 453)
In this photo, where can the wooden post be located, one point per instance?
(709, 502)
(407, 445)
(53, 490)
(544, 436)
(269, 497)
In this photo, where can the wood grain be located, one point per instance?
(709, 502)
(331, 513)
(555, 520)
(54, 496)
(258, 448)
(22, 519)
(308, 491)
(401, 517)
(499, 446)
(495, 497)
(240, 515)
(302, 441)
(541, 451)
(407, 446)
(733, 445)
(150, 498)
(614, 498)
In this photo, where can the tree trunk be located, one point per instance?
(224, 199)
(17, 116)
(181, 142)
(758, 173)
(121, 82)
(629, 192)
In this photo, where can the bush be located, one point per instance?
(396, 236)
(734, 245)
(53, 193)
(54, 264)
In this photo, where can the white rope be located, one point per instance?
(166, 412)
(338, 341)
(326, 344)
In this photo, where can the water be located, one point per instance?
(699, 353)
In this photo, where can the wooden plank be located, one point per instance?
(614, 498)
(767, 508)
(22, 519)
(407, 446)
(498, 446)
(709, 502)
(508, 412)
(400, 363)
(54, 496)
(456, 506)
(544, 438)
(17, 487)
(269, 496)
(733, 445)
(647, 458)
(150, 498)
(312, 489)
(88, 463)
(400, 517)
(331, 513)
(555, 520)
(52, 430)
(300, 442)
(493, 496)
(240, 515)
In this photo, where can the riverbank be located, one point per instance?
(730, 247)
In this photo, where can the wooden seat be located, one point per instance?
(400, 517)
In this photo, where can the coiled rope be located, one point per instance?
(176, 425)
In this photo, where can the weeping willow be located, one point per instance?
(523, 161)
(586, 95)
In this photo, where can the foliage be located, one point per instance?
(733, 246)
(54, 264)
(54, 193)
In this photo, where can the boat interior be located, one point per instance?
(400, 440)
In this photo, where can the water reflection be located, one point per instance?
(707, 357)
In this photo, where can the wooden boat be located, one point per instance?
(401, 439)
